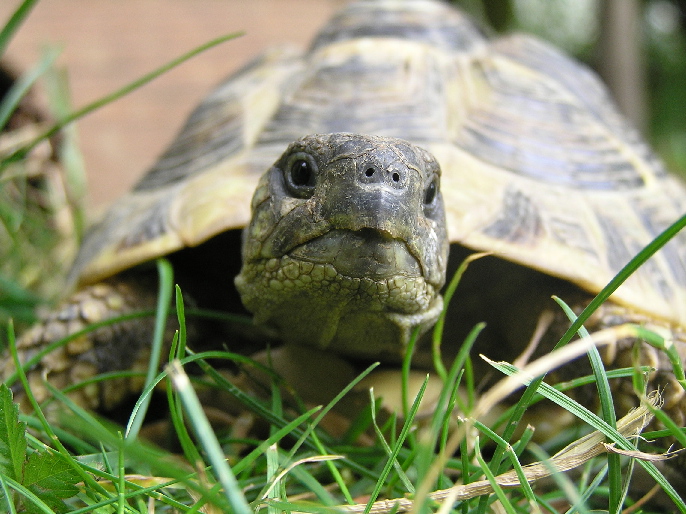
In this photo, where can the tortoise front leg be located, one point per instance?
(122, 345)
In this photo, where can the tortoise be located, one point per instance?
(404, 129)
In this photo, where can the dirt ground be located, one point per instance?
(106, 44)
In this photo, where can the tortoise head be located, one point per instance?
(347, 245)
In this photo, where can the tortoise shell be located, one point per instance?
(538, 165)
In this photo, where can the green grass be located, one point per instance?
(298, 465)
(62, 458)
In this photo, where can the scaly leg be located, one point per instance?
(120, 346)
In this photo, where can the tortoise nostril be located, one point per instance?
(390, 176)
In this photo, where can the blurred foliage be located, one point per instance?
(40, 196)
(575, 25)
(666, 54)
(41, 183)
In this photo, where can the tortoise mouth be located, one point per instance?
(365, 253)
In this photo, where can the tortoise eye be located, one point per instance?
(432, 205)
(431, 192)
(300, 174)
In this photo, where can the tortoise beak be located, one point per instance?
(362, 253)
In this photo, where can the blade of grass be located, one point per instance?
(93, 106)
(520, 445)
(21, 86)
(491, 478)
(12, 25)
(71, 440)
(312, 484)
(181, 317)
(274, 490)
(178, 351)
(444, 411)
(464, 468)
(526, 486)
(166, 277)
(29, 495)
(600, 425)
(405, 372)
(392, 453)
(201, 425)
(671, 428)
(607, 408)
(667, 347)
(428, 465)
(121, 485)
(588, 492)
(437, 336)
(11, 509)
(176, 414)
(260, 450)
(569, 404)
(293, 469)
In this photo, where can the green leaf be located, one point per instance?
(12, 437)
(51, 479)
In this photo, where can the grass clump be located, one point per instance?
(287, 461)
